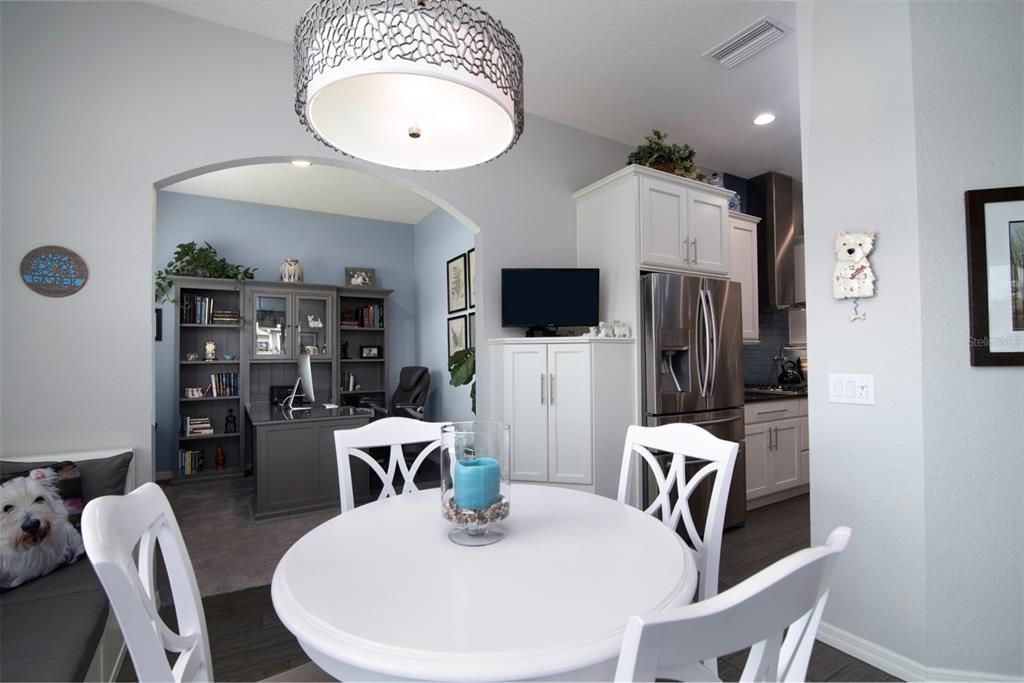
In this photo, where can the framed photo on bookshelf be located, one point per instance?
(456, 334)
(457, 284)
(371, 352)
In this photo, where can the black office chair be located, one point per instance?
(409, 396)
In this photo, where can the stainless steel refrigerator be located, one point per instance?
(692, 354)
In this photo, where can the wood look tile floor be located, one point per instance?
(248, 642)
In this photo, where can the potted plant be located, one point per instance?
(658, 154)
(462, 366)
(193, 260)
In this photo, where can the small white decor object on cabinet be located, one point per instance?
(743, 269)
(291, 270)
(569, 403)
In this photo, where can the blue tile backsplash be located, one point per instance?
(758, 364)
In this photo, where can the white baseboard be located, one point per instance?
(896, 664)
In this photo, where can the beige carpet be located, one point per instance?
(231, 551)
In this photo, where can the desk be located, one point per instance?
(293, 456)
(380, 591)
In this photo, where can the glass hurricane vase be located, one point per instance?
(475, 485)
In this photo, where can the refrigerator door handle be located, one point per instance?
(702, 322)
(713, 350)
(705, 298)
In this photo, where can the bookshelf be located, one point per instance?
(208, 310)
(362, 322)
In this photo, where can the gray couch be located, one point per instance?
(59, 627)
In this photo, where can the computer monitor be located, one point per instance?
(305, 378)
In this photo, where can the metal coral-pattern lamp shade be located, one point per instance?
(415, 84)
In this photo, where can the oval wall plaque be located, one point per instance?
(53, 271)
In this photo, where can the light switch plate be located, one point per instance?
(859, 389)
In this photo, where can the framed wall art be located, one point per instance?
(995, 272)
(360, 277)
(456, 334)
(457, 284)
(471, 276)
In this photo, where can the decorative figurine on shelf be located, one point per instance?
(218, 457)
(604, 329)
(291, 270)
(230, 422)
(620, 330)
(191, 357)
(209, 350)
(314, 322)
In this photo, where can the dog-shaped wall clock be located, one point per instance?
(853, 277)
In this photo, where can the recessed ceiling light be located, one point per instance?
(764, 119)
(301, 163)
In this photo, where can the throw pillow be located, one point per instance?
(100, 476)
(39, 513)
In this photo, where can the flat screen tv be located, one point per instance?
(549, 297)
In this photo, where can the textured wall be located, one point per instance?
(81, 174)
(969, 97)
(262, 236)
(860, 173)
(438, 237)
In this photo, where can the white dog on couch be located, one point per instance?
(35, 534)
(853, 277)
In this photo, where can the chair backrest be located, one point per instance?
(112, 526)
(790, 594)
(413, 385)
(685, 441)
(394, 432)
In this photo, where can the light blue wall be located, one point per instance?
(438, 238)
(263, 236)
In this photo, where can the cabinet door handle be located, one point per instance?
(775, 438)
(686, 251)
(542, 388)
(551, 390)
(694, 240)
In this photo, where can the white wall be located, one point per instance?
(969, 98)
(438, 238)
(100, 101)
(859, 174)
(904, 106)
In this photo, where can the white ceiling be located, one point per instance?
(618, 68)
(327, 189)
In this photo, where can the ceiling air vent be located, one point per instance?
(748, 42)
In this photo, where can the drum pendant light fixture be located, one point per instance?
(415, 84)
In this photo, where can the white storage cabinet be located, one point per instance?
(778, 456)
(569, 402)
(743, 269)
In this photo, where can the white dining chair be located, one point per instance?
(394, 432)
(112, 527)
(685, 441)
(776, 612)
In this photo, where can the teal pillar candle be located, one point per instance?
(476, 483)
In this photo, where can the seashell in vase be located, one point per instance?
(291, 270)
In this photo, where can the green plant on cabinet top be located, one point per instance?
(192, 260)
(658, 154)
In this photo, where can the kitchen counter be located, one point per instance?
(751, 396)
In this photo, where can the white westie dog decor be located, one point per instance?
(35, 534)
(853, 277)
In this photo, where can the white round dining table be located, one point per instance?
(379, 592)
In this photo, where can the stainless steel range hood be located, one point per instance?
(778, 199)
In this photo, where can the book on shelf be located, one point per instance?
(224, 384)
(196, 426)
(221, 317)
(195, 309)
(190, 461)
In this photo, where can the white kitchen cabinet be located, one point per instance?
(678, 224)
(664, 237)
(525, 402)
(708, 218)
(569, 402)
(777, 454)
(743, 269)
